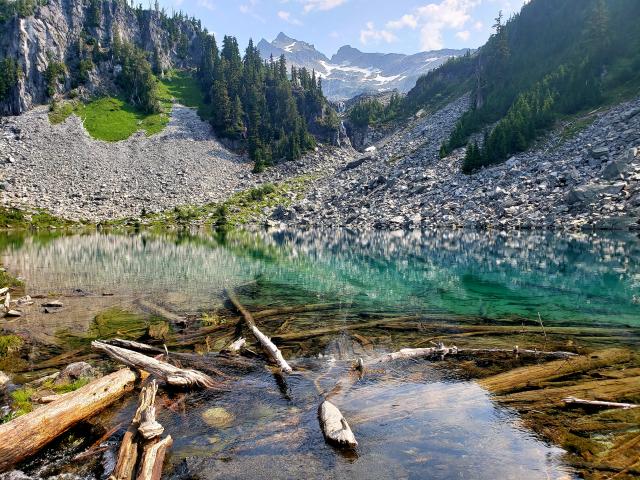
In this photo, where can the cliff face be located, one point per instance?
(65, 30)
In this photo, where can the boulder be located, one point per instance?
(614, 170)
(76, 371)
(599, 152)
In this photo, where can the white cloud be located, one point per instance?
(478, 25)
(434, 18)
(408, 20)
(208, 4)
(463, 35)
(286, 16)
(371, 34)
(334, 34)
(310, 5)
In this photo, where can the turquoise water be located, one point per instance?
(412, 420)
(580, 278)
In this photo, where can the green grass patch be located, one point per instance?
(10, 344)
(14, 218)
(112, 119)
(21, 401)
(182, 86)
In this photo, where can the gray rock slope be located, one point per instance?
(62, 169)
(590, 181)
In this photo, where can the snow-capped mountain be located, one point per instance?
(351, 72)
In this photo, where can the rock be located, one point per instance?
(24, 301)
(218, 417)
(355, 163)
(13, 313)
(614, 170)
(599, 152)
(53, 304)
(4, 381)
(75, 371)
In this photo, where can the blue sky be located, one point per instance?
(404, 26)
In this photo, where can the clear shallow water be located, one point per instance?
(413, 419)
(583, 278)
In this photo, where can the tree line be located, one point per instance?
(260, 104)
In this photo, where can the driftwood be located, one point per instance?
(598, 403)
(161, 312)
(272, 351)
(524, 377)
(318, 332)
(237, 345)
(334, 427)
(439, 350)
(27, 434)
(144, 430)
(128, 452)
(317, 307)
(174, 376)
(153, 458)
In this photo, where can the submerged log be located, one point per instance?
(153, 458)
(334, 427)
(317, 307)
(439, 350)
(27, 434)
(161, 312)
(525, 377)
(598, 403)
(272, 351)
(174, 376)
(318, 332)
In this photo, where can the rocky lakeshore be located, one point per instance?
(588, 180)
(584, 175)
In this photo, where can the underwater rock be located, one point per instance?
(218, 417)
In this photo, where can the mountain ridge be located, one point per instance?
(351, 72)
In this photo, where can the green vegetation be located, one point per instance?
(136, 79)
(113, 119)
(15, 218)
(372, 111)
(241, 208)
(256, 103)
(21, 401)
(9, 75)
(21, 8)
(10, 344)
(54, 74)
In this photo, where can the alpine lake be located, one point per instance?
(328, 299)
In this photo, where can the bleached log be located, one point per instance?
(334, 426)
(153, 458)
(406, 353)
(7, 301)
(237, 345)
(26, 435)
(174, 376)
(269, 347)
(598, 403)
(4, 290)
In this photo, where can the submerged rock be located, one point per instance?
(76, 371)
(218, 417)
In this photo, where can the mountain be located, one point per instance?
(351, 72)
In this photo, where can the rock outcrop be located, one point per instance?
(62, 29)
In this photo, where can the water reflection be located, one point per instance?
(569, 278)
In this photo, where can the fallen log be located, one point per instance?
(27, 434)
(525, 377)
(273, 312)
(153, 458)
(598, 403)
(236, 346)
(272, 351)
(405, 353)
(334, 427)
(174, 376)
(318, 332)
(161, 312)
(128, 451)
